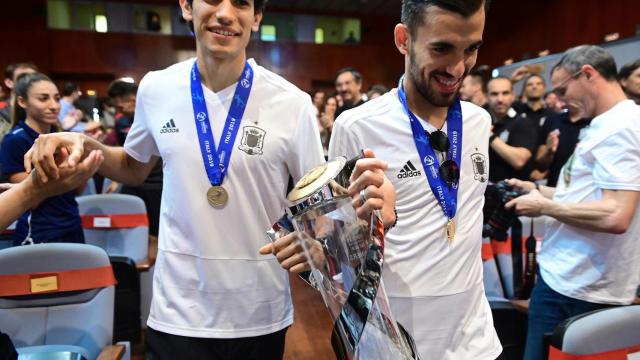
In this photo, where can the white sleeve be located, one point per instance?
(343, 142)
(306, 148)
(617, 161)
(140, 143)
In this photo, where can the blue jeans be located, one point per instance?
(547, 309)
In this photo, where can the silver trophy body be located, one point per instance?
(346, 258)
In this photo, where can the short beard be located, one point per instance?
(434, 98)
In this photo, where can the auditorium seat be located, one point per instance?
(6, 236)
(105, 185)
(612, 333)
(90, 188)
(57, 300)
(118, 223)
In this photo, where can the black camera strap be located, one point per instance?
(516, 256)
(529, 265)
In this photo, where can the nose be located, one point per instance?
(54, 105)
(224, 12)
(456, 67)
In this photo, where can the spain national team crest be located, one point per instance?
(252, 140)
(479, 162)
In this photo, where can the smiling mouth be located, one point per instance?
(223, 32)
(447, 84)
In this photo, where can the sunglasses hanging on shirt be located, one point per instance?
(449, 170)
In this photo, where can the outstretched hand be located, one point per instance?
(69, 177)
(51, 151)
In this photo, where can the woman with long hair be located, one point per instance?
(326, 117)
(56, 219)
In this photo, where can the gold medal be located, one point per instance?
(451, 231)
(217, 196)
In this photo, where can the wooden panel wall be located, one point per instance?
(516, 27)
(513, 28)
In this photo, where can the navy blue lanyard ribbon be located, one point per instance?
(447, 195)
(216, 162)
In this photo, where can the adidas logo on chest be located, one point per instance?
(169, 127)
(408, 171)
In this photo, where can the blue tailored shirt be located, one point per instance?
(57, 218)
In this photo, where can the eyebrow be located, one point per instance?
(443, 44)
(477, 43)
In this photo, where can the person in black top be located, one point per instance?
(123, 95)
(534, 108)
(36, 106)
(513, 140)
(348, 86)
(557, 141)
(473, 89)
(535, 111)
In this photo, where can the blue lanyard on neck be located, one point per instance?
(216, 163)
(447, 195)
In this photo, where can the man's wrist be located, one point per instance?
(395, 221)
(549, 207)
(492, 137)
(29, 191)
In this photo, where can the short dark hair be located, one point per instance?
(356, 74)
(575, 58)
(413, 10)
(11, 68)
(628, 69)
(378, 89)
(69, 88)
(546, 95)
(478, 77)
(120, 88)
(501, 77)
(531, 76)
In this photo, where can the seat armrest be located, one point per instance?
(521, 305)
(112, 352)
(145, 264)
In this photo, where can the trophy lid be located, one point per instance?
(322, 183)
(315, 179)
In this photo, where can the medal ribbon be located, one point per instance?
(216, 162)
(447, 196)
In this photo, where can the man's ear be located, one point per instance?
(8, 83)
(257, 18)
(186, 10)
(589, 71)
(402, 38)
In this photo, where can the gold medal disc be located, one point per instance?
(451, 230)
(217, 196)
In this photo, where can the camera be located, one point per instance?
(497, 219)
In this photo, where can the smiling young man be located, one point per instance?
(433, 269)
(230, 134)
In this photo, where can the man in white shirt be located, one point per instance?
(590, 256)
(433, 269)
(214, 295)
